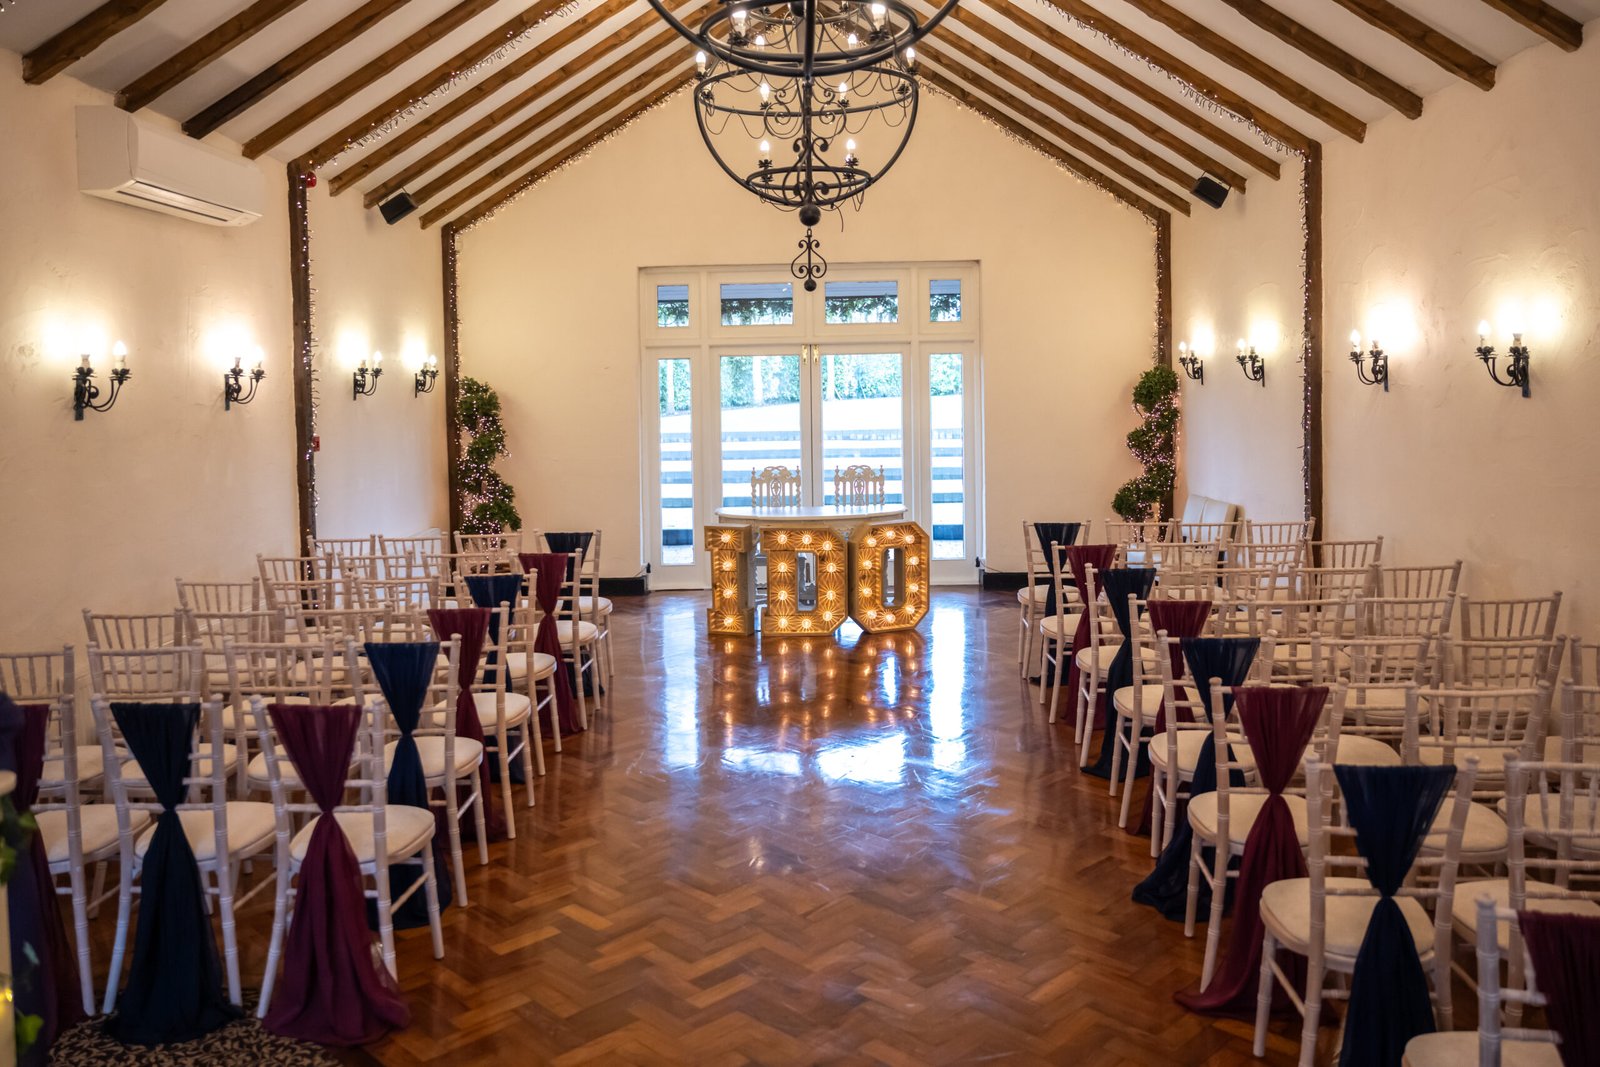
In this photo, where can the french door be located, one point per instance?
(743, 371)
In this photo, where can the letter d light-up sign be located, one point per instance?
(896, 600)
(731, 612)
(785, 549)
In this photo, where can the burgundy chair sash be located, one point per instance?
(472, 626)
(334, 990)
(43, 964)
(550, 574)
(1079, 559)
(1565, 950)
(1278, 723)
(1179, 619)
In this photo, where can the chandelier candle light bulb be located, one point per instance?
(86, 395)
(1517, 370)
(1379, 374)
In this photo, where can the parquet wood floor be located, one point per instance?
(869, 850)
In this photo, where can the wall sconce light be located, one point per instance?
(85, 393)
(1193, 366)
(1380, 362)
(1251, 364)
(366, 378)
(1517, 372)
(233, 391)
(426, 377)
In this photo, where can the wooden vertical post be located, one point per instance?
(1313, 333)
(305, 459)
(1163, 221)
(452, 375)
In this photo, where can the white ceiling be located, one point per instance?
(176, 23)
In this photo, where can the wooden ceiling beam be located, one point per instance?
(542, 171)
(1043, 95)
(1429, 42)
(1236, 56)
(192, 58)
(82, 37)
(1066, 159)
(1207, 87)
(436, 119)
(1048, 124)
(1557, 27)
(434, 80)
(348, 86)
(1177, 110)
(239, 100)
(1353, 70)
(1066, 79)
(497, 119)
(524, 156)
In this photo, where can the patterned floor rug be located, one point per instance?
(239, 1044)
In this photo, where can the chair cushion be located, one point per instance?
(1108, 652)
(1485, 839)
(1286, 911)
(1365, 751)
(469, 754)
(1057, 625)
(517, 664)
(1491, 758)
(1149, 700)
(1539, 815)
(405, 831)
(1243, 810)
(517, 708)
(250, 828)
(588, 605)
(99, 824)
(1459, 1048)
(587, 632)
(91, 765)
(1464, 908)
(1190, 742)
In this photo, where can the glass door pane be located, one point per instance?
(947, 460)
(675, 461)
(762, 421)
(863, 417)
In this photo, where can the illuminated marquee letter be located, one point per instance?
(731, 610)
(902, 547)
(785, 549)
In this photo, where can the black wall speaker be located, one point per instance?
(400, 205)
(1210, 190)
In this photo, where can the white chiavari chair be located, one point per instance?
(1222, 819)
(1493, 1044)
(505, 713)
(416, 547)
(222, 833)
(220, 597)
(1358, 554)
(490, 553)
(528, 672)
(341, 546)
(1317, 583)
(596, 608)
(1135, 704)
(169, 675)
(1275, 544)
(1175, 752)
(132, 631)
(400, 595)
(449, 763)
(1324, 917)
(579, 635)
(1501, 664)
(1141, 543)
(1055, 634)
(75, 834)
(1517, 619)
(1221, 534)
(1093, 661)
(276, 672)
(1033, 596)
(380, 835)
(1293, 625)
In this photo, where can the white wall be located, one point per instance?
(549, 297)
(105, 513)
(1489, 201)
(378, 288)
(1486, 207)
(1236, 274)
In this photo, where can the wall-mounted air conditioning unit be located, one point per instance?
(163, 170)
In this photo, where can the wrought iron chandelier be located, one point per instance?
(812, 76)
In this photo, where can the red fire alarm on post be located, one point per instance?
(316, 442)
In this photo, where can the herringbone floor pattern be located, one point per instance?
(853, 851)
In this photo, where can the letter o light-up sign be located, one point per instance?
(784, 547)
(870, 547)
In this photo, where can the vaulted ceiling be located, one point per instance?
(464, 102)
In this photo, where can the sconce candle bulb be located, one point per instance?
(426, 377)
(1379, 374)
(1517, 370)
(86, 395)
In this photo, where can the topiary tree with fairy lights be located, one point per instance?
(1154, 444)
(487, 501)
